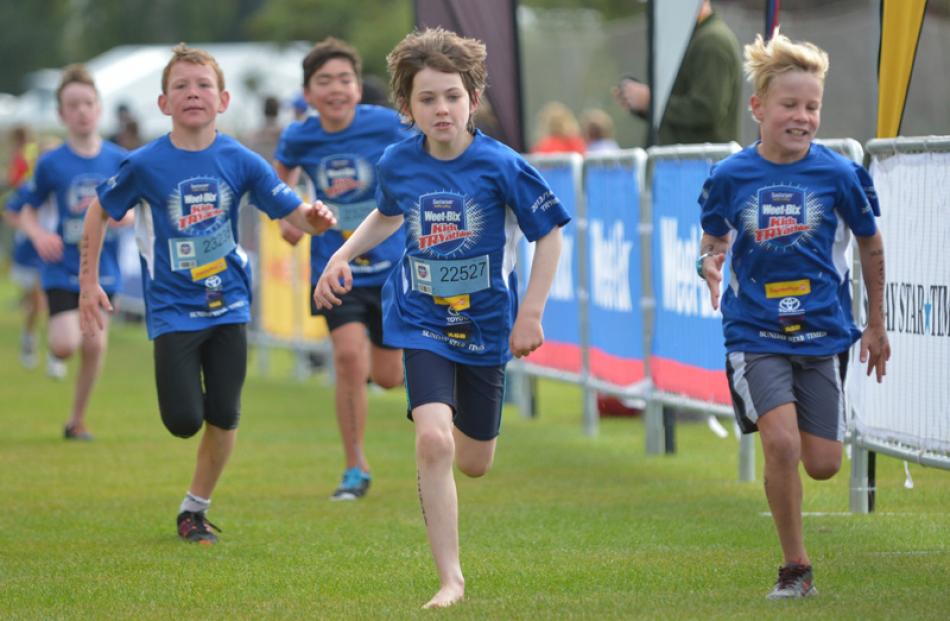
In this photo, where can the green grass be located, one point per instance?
(564, 527)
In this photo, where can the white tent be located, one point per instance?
(131, 74)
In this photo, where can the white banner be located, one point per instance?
(911, 408)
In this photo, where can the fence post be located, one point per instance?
(747, 457)
(653, 422)
(859, 479)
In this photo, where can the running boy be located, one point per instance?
(452, 301)
(338, 149)
(67, 177)
(185, 187)
(783, 208)
(25, 269)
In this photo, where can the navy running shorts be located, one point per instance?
(475, 394)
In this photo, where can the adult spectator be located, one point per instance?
(704, 103)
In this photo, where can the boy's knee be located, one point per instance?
(474, 469)
(388, 378)
(347, 359)
(61, 349)
(782, 450)
(93, 347)
(823, 469)
(182, 425)
(434, 445)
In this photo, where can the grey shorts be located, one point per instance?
(815, 384)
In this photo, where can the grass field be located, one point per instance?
(564, 527)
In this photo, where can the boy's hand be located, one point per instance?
(336, 280)
(289, 233)
(320, 217)
(526, 336)
(875, 350)
(48, 245)
(91, 299)
(712, 274)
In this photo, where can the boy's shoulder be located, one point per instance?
(112, 150)
(830, 157)
(377, 113)
(408, 148)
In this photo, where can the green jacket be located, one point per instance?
(704, 102)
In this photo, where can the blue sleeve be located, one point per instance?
(384, 200)
(530, 197)
(286, 153)
(119, 193)
(18, 198)
(38, 188)
(714, 201)
(268, 192)
(858, 205)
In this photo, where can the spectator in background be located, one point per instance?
(301, 109)
(559, 130)
(123, 116)
(264, 139)
(598, 130)
(23, 156)
(704, 102)
(375, 92)
(487, 121)
(128, 137)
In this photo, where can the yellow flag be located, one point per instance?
(901, 21)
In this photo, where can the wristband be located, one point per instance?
(699, 263)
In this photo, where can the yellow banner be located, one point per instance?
(284, 275)
(901, 21)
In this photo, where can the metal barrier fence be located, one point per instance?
(908, 415)
(669, 354)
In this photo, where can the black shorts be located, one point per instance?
(475, 394)
(216, 355)
(62, 300)
(361, 304)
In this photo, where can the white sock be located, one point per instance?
(194, 504)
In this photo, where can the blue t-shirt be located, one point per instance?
(23, 252)
(790, 230)
(68, 181)
(454, 292)
(342, 168)
(194, 274)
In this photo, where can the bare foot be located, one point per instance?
(448, 595)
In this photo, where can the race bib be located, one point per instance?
(72, 230)
(448, 278)
(349, 216)
(190, 252)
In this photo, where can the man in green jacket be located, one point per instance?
(704, 102)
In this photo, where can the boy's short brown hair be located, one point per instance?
(181, 53)
(327, 50)
(74, 74)
(441, 50)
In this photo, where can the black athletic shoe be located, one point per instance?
(794, 581)
(193, 527)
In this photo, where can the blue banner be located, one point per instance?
(561, 323)
(688, 354)
(614, 317)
